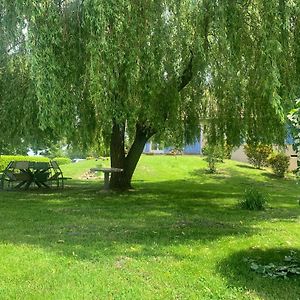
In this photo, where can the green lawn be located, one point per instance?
(178, 235)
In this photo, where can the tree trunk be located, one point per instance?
(117, 153)
(122, 181)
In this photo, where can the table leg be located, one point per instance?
(37, 183)
(45, 185)
(20, 184)
(106, 180)
(28, 184)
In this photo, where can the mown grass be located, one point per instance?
(178, 235)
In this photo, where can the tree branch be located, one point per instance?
(187, 74)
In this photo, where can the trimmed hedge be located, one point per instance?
(6, 159)
(62, 160)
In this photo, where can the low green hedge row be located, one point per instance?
(5, 159)
(62, 160)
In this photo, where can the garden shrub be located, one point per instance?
(279, 163)
(89, 158)
(175, 151)
(258, 154)
(62, 160)
(6, 159)
(253, 200)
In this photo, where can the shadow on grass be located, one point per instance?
(236, 269)
(154, 217)
(88, 219)
(219, 174)
(247, 167)
(273, 176)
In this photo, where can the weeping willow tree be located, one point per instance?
(125, 70)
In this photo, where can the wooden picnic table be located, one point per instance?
(23, 174)
(107, 172)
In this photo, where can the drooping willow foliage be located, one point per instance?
(19, 120)
(256, 69)
(71, 68)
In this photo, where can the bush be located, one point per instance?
(279, 163)
(62, 160)
(175, 151)
(253, 200)
(6, 159)
(297, 172)
(89, 158)
(258, 154)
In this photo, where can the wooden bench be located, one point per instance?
(106, 172)
(15, 172)
(57, 175)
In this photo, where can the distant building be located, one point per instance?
(238, 154)
(195, 148)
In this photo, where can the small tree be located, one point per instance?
(211, 158)
(215, 154)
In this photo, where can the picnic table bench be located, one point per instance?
(22, 174)
(107, 172)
